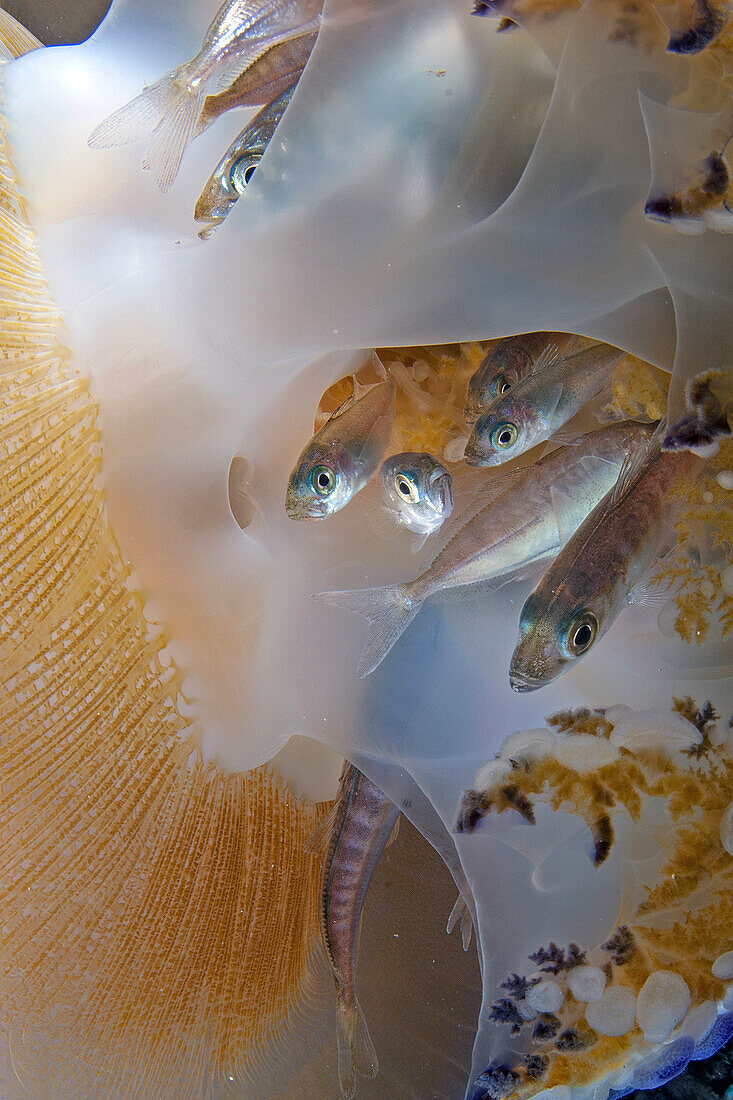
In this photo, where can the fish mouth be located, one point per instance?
(522, 683)
(302, 510)
(476, 455)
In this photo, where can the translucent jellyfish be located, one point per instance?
(175, 707)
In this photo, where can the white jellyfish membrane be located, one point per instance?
(431, 181)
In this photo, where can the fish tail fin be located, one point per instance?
(169, 110)
(389, 609)
(356, 1052)
(136, 119)
(175, 131)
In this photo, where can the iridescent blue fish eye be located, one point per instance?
(504, 435)
(406, 486)
(322, 480)
(242, 171)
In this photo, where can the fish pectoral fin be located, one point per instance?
(318, 840)
(601, 468)
(565, 516)
(648, 593)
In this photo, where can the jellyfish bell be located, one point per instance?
(379, 215)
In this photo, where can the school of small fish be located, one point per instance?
(591, 514)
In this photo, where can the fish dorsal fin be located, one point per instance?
(565, 514)
(380, 368)
(574, 345)
(547, 358)
(378, 428)
(317, 842)
(360, 389)
(636, 460)
(395, 832)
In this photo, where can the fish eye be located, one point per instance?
(242, 171)
(582, 633)
(502, 385)
(322, 480)
(504, 435)
(406, 487)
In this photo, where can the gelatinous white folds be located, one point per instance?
(431, 181)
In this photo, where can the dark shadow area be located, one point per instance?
(59, 22)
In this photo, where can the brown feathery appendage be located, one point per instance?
(157, 915)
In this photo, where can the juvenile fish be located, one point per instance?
(343, 455)
(594, 576)
(418, 489)
(507, 362)
(540, 404)
(170, 108)
(278, 69)
(355, 834)
(234, 171)
(530, 513)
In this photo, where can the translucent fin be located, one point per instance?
(567, 520)
(568, 436)
(318, 840)
(601, 469)
(648, 593)
(356, 1052)
(394, 834)
(15, 39)
(547, 357)
(575, 345)
(136, 119)
(389, 611)
(636, 460)
(460, 914)
(174, 132)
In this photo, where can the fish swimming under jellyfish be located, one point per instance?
(176, 708)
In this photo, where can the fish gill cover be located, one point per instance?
(432, 182)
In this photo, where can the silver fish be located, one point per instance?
(343, 455)
(418, 489)
(234, 171)
(355, 833)
(600, 567)
(530, 513)
(170, 107)
(540, 404)
(508, 361)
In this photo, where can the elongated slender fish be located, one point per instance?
(530, 514)
(355, 833)
(343, 455)
(540, 404)
(508, 361)
(170, 107)
(261, 82)
(232, 174)
(595, 575)
(418, 489)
